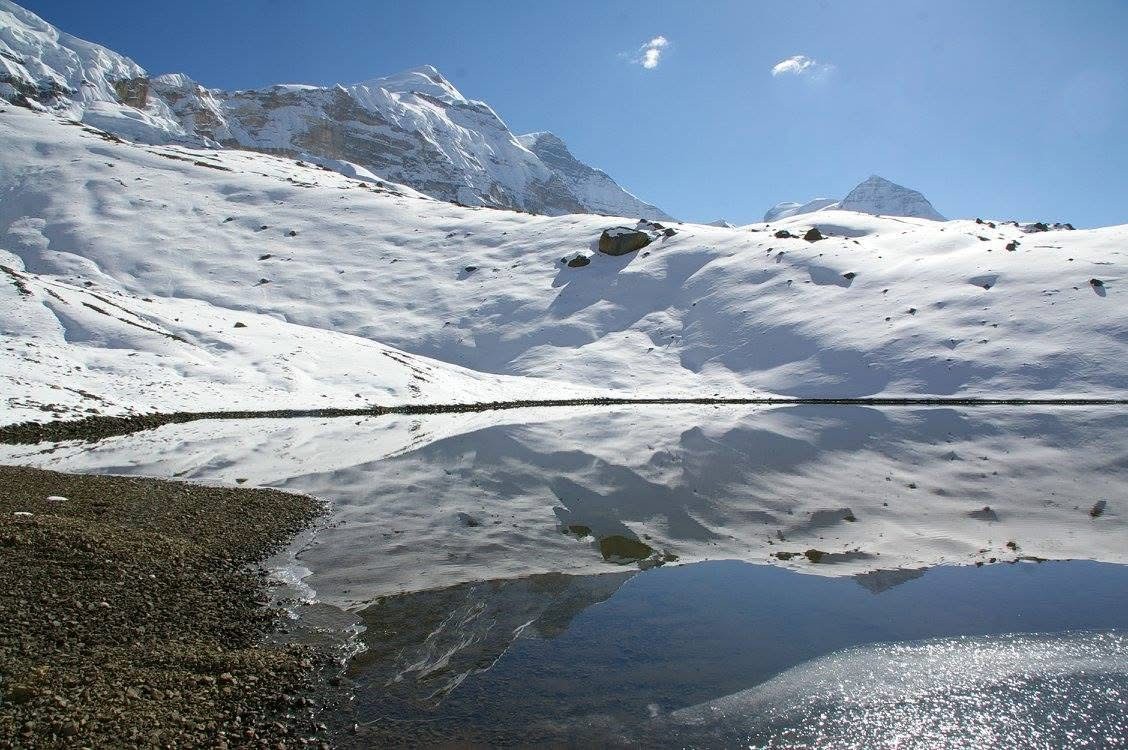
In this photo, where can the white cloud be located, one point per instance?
(650, 54)
(801, 65)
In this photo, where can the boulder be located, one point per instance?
(622, 240)
(783, 234)
(813, 235)
(579, 261)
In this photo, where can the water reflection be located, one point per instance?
(728, 653)
(435, 501)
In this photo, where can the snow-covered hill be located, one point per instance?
(73, 350)
(414, 128)
(884, 305)
(875, 195)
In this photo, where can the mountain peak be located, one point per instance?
(422, 79)
(877, 195)
(873, 195)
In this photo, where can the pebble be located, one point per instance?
(56, 499)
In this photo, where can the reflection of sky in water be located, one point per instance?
(728, 653)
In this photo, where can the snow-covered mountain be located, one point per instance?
(413, 128)
(875, 195)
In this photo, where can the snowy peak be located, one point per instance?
(875, 195)
(425, 79)
(592, 187)
(414, 128)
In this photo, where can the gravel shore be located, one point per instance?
(131, 616)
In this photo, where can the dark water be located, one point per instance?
(687, 655)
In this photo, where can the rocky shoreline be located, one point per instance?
(93, 428)
(132, 615)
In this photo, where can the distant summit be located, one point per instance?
(875, 195)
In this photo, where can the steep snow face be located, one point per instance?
(413, 128)
(787, 208)
(42, 67)
(883, 306)
(40, 62)
(876, 195)
(592, 187)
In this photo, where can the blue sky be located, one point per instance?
(1001, 109)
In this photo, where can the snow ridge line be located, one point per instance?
(97, 427)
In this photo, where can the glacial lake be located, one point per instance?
(802, 576)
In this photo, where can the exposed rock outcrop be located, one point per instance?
(622, 240)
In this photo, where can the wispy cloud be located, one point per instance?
(650, 54)
(801, 65)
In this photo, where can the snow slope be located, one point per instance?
(72, 351)
(932, 308)
(414, 127)
(874, 195)
(76, 343)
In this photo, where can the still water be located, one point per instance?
(693, 576)
(729, 654)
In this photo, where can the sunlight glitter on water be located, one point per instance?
(1029, 691)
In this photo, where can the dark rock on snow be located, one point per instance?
(622, 240)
